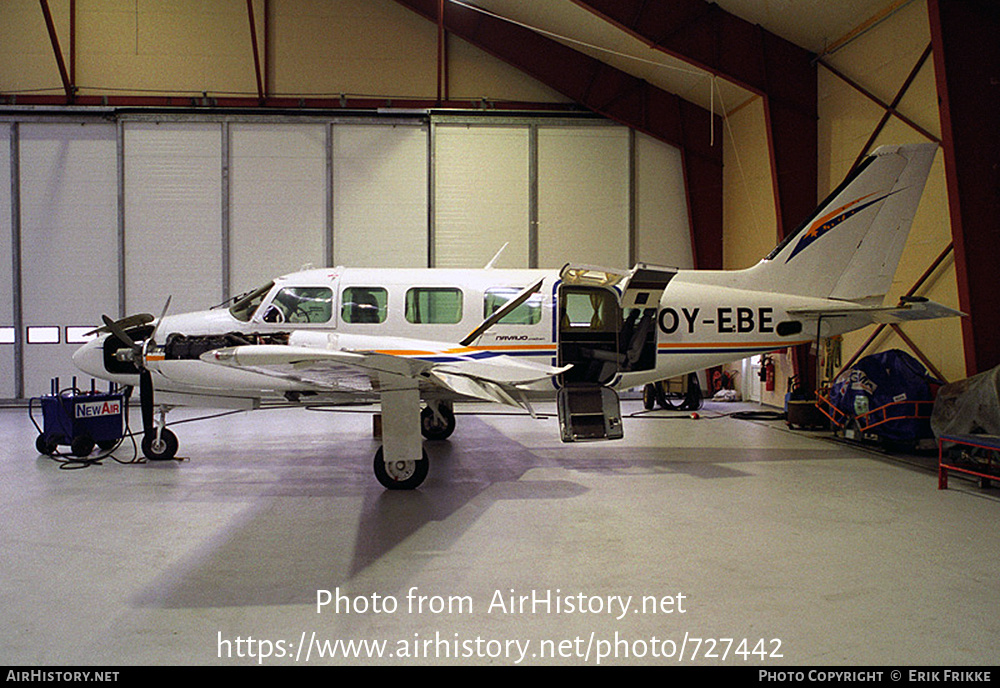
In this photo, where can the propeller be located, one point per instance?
(137, 356)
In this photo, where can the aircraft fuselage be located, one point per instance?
(421, 314)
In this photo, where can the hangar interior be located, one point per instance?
(198, 149)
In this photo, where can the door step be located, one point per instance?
(589, 412)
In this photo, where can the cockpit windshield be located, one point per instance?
(246, 304)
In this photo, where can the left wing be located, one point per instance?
(462, 371)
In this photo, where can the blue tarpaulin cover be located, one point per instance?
(885, 378)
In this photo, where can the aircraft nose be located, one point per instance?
(90, 358)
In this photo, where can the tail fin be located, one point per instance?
(850, 247)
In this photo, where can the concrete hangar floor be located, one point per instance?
(709, 541)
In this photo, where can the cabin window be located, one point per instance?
(528, 313)
(434, 305)
(307, 305)
(364, 305)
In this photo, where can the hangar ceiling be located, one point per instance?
(818, 26)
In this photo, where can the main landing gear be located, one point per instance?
(400, 475)
(437, 422)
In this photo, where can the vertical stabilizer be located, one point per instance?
(849, 248)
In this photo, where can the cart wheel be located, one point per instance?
(46, 445)
(163, 449)
(81, 445)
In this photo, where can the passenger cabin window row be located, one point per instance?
(434, 305)
(370, 305)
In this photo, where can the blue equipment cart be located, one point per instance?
(80, 419)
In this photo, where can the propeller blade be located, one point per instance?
(125, 323)
(119, 332)
(163, 313)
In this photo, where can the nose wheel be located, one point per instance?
(159, 445)
(400, 475)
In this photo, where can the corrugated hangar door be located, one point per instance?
(583, 196)
(662, 228)
(115, 217)
(481, 196)
(69, 243)
(173, 215)
(8, 331)
(277, 201)
(380, 195)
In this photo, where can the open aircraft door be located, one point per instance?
(606, 325)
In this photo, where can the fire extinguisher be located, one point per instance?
(767, 373)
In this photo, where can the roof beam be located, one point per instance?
(614, 94)
(702, 34)
(60, 62)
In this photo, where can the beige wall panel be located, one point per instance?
(749, 219)
(355, 47)
(880, 61)
(318, 48)
(473, 74)
(163, 47)
(26, 60)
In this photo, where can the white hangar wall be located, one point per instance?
(113, 215)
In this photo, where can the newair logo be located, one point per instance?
(92, 409)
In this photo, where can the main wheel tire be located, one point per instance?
(163, 449)
(648, 397)
(431, 427)
(400, 475)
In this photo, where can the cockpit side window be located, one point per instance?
(364, 305)
(305, 305)
(245, 305)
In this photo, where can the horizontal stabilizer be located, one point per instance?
(907, 311)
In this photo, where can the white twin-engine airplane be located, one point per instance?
(419, 340)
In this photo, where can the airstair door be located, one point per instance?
(605, 327)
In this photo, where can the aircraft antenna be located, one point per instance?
(493, 260)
